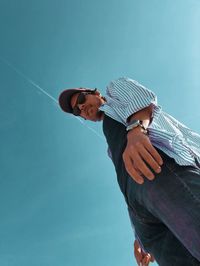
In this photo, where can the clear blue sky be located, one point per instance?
(60, 202)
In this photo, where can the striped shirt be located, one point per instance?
(125, 97)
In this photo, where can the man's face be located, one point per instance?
(89, 109)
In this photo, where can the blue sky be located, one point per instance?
(60, 202)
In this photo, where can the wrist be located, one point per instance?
(137, 131)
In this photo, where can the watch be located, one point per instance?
(134, 124)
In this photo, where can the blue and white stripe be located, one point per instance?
(126, 96)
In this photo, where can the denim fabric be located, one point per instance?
(166, 211)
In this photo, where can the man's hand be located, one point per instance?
(139, 154)
(142, 258)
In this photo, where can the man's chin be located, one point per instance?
(96, 119)
(99, 115)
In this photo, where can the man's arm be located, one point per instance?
(136, 102)
(139, 152)
(144, 115)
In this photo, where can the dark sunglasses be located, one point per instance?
(80, 100)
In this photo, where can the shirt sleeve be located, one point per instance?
(129, 97)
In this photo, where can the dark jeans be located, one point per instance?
(166, 213)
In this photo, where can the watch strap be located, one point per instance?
(134, 124)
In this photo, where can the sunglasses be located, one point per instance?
(81, 100)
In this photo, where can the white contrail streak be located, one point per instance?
(29, 80)
(45, 92)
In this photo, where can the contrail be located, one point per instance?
(28, 79)
(45, 92)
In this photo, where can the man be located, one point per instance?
(157, 161)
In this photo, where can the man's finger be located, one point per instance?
(141, 166)
(146, 260)
(149, 159)
(137, 252)
(152, 258)
(154, 153)
(131, 170)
